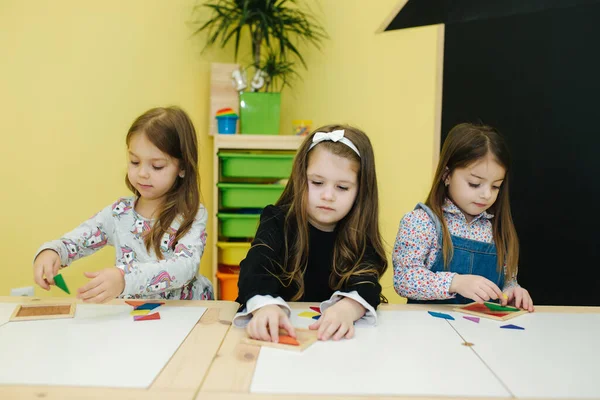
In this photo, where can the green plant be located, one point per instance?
(274, 28)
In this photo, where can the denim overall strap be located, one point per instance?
(469, 257)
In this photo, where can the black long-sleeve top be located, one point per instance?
(266, 257)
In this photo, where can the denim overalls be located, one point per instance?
(470, 257)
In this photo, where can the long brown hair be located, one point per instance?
(172, 132)
(358, 229)
(466, 144)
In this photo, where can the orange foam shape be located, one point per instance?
(285, 339)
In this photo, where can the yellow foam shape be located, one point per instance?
(140, 312)
(308, 314)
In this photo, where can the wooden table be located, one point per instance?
(180, 378)
(231, 373)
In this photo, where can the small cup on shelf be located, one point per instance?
(226, 121)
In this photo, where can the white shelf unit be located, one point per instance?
(274, 143)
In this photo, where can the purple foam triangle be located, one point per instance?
(474, 319)
(511, 326)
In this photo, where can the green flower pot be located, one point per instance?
(259, 113)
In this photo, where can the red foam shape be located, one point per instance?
(481, 308)
(316, 309)
(148, 317)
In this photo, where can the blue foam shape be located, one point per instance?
(147, 306)
(316, 317)
(441, 315)
(511, 326)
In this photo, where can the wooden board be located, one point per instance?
(305, 337)
(480, 310)
(42, 311)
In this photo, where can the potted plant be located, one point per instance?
(274, 28)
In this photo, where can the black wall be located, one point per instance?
(536, 78)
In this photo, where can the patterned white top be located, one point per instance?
(176, 276)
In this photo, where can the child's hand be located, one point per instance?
(338, 320)
(105, 285)
(266, 321)
(520, 298)
(475, 287)
(45, 268)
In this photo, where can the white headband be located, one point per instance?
(333, 136)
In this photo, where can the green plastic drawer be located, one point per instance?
(238, 225)
(248, 195)
(253, 165)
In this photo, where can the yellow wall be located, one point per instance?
(75, 74)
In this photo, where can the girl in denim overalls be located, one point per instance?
(461, 245)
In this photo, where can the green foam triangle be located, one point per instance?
(60, 282)
(497, 307)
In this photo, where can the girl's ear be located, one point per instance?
(181, 173)
(446, 177)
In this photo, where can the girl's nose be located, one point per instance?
(327, 194)
(143, 171)
(487, 193)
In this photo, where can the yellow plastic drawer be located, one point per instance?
(232, 253)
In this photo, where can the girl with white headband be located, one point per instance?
(319, 242)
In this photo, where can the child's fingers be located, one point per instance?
(274, 328)
(482, 294)
(495, 289)
(285, 323)
(93, 292)
(330, 330)
(342, 330)
(518, 298)
(55, 266)
(324, 325)
(91, 275)
(49, 273)
(38, 277)
(99, 298)
(350, 333)
(315, 325)
(261, 329)
(477, 298)
(89, 286)
(251, 329)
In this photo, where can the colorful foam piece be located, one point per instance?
(316, 309)
(148, 306)
(285, 339)
(148, 317)
(139, 312)
(441, 315)
(474, 319)
(498, 307)
(483, 309)
(308, 314)
(511, 326)
(135, 303)
(61, 284)
(316, 317)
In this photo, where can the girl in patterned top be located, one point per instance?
(461, 245)
(159, 233)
